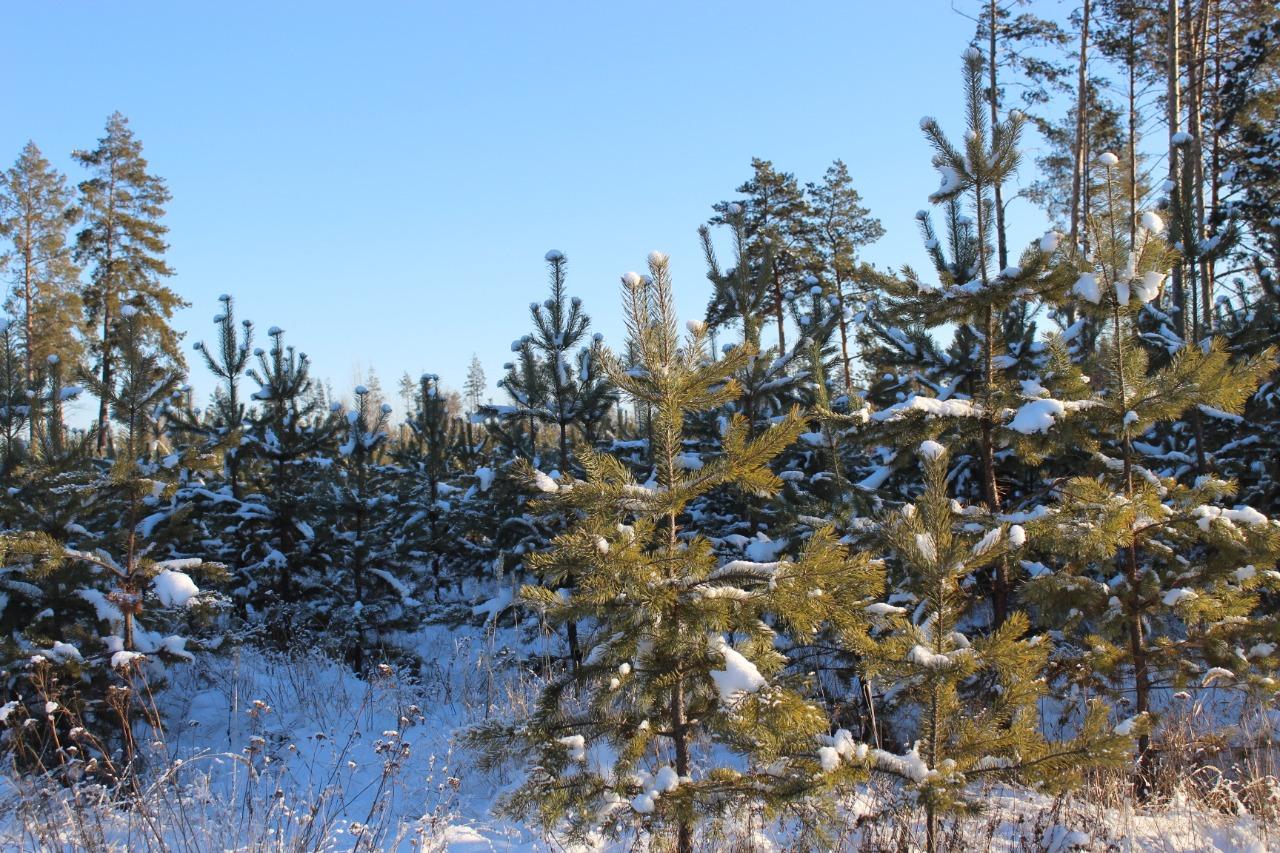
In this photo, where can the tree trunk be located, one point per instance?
(1078, 182)
(1002, 247)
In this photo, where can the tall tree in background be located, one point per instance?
(35, 212)
(839, 227)
(773, 219)
(122, 245)
(475, 386)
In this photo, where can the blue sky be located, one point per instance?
(383, 179)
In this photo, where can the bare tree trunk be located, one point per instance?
(844, 335)
(1082, 108)
(1174, 106)
(1002, 247)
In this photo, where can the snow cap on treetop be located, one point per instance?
(1106, 158)
(554, 255)
(696, 327)
(931, 450)
(1152, 222)
(361, 390)
(128, 311)
(275, 330)
(631, 279)
(657, 258)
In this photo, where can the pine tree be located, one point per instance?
(103, 568)
(1165, 601)
(221, 427)
(15, 404)
(35, 212)
(284, 435)
(661, 674)
(363, 598)
(427, 457)
(773, 217)
(840, 226)
(994, 347)
(475, 385)
(932, 666)
(122, 245)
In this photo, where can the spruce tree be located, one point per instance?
(661, 676)
(122, 246)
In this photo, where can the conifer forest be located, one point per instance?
(982, 554)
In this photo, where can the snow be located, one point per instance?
(576, 746)
(882, 609)
(174, 588)
(554, 255)
(1151, 221)
(931, 450)
(1037, 416)
(909, 766)
(545, 483)
(1207, 513)
(1125, 727)
(875, 479)
(666, 779)
(1086, 287)
(931, 407)
(1181, 138)
(1174, 597)
(1017, 536)
(828, 758)
(987, 542)
(1106, 158)
(738, 677)
(921, 656)
(951, 181)
(1217, 673)
(124, 659)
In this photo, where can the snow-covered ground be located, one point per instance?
(273, 753)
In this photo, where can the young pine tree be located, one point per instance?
(682, 666)
(1174, 578)
(284, 435)
(963, 737)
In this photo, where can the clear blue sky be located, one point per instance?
(383, 179)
